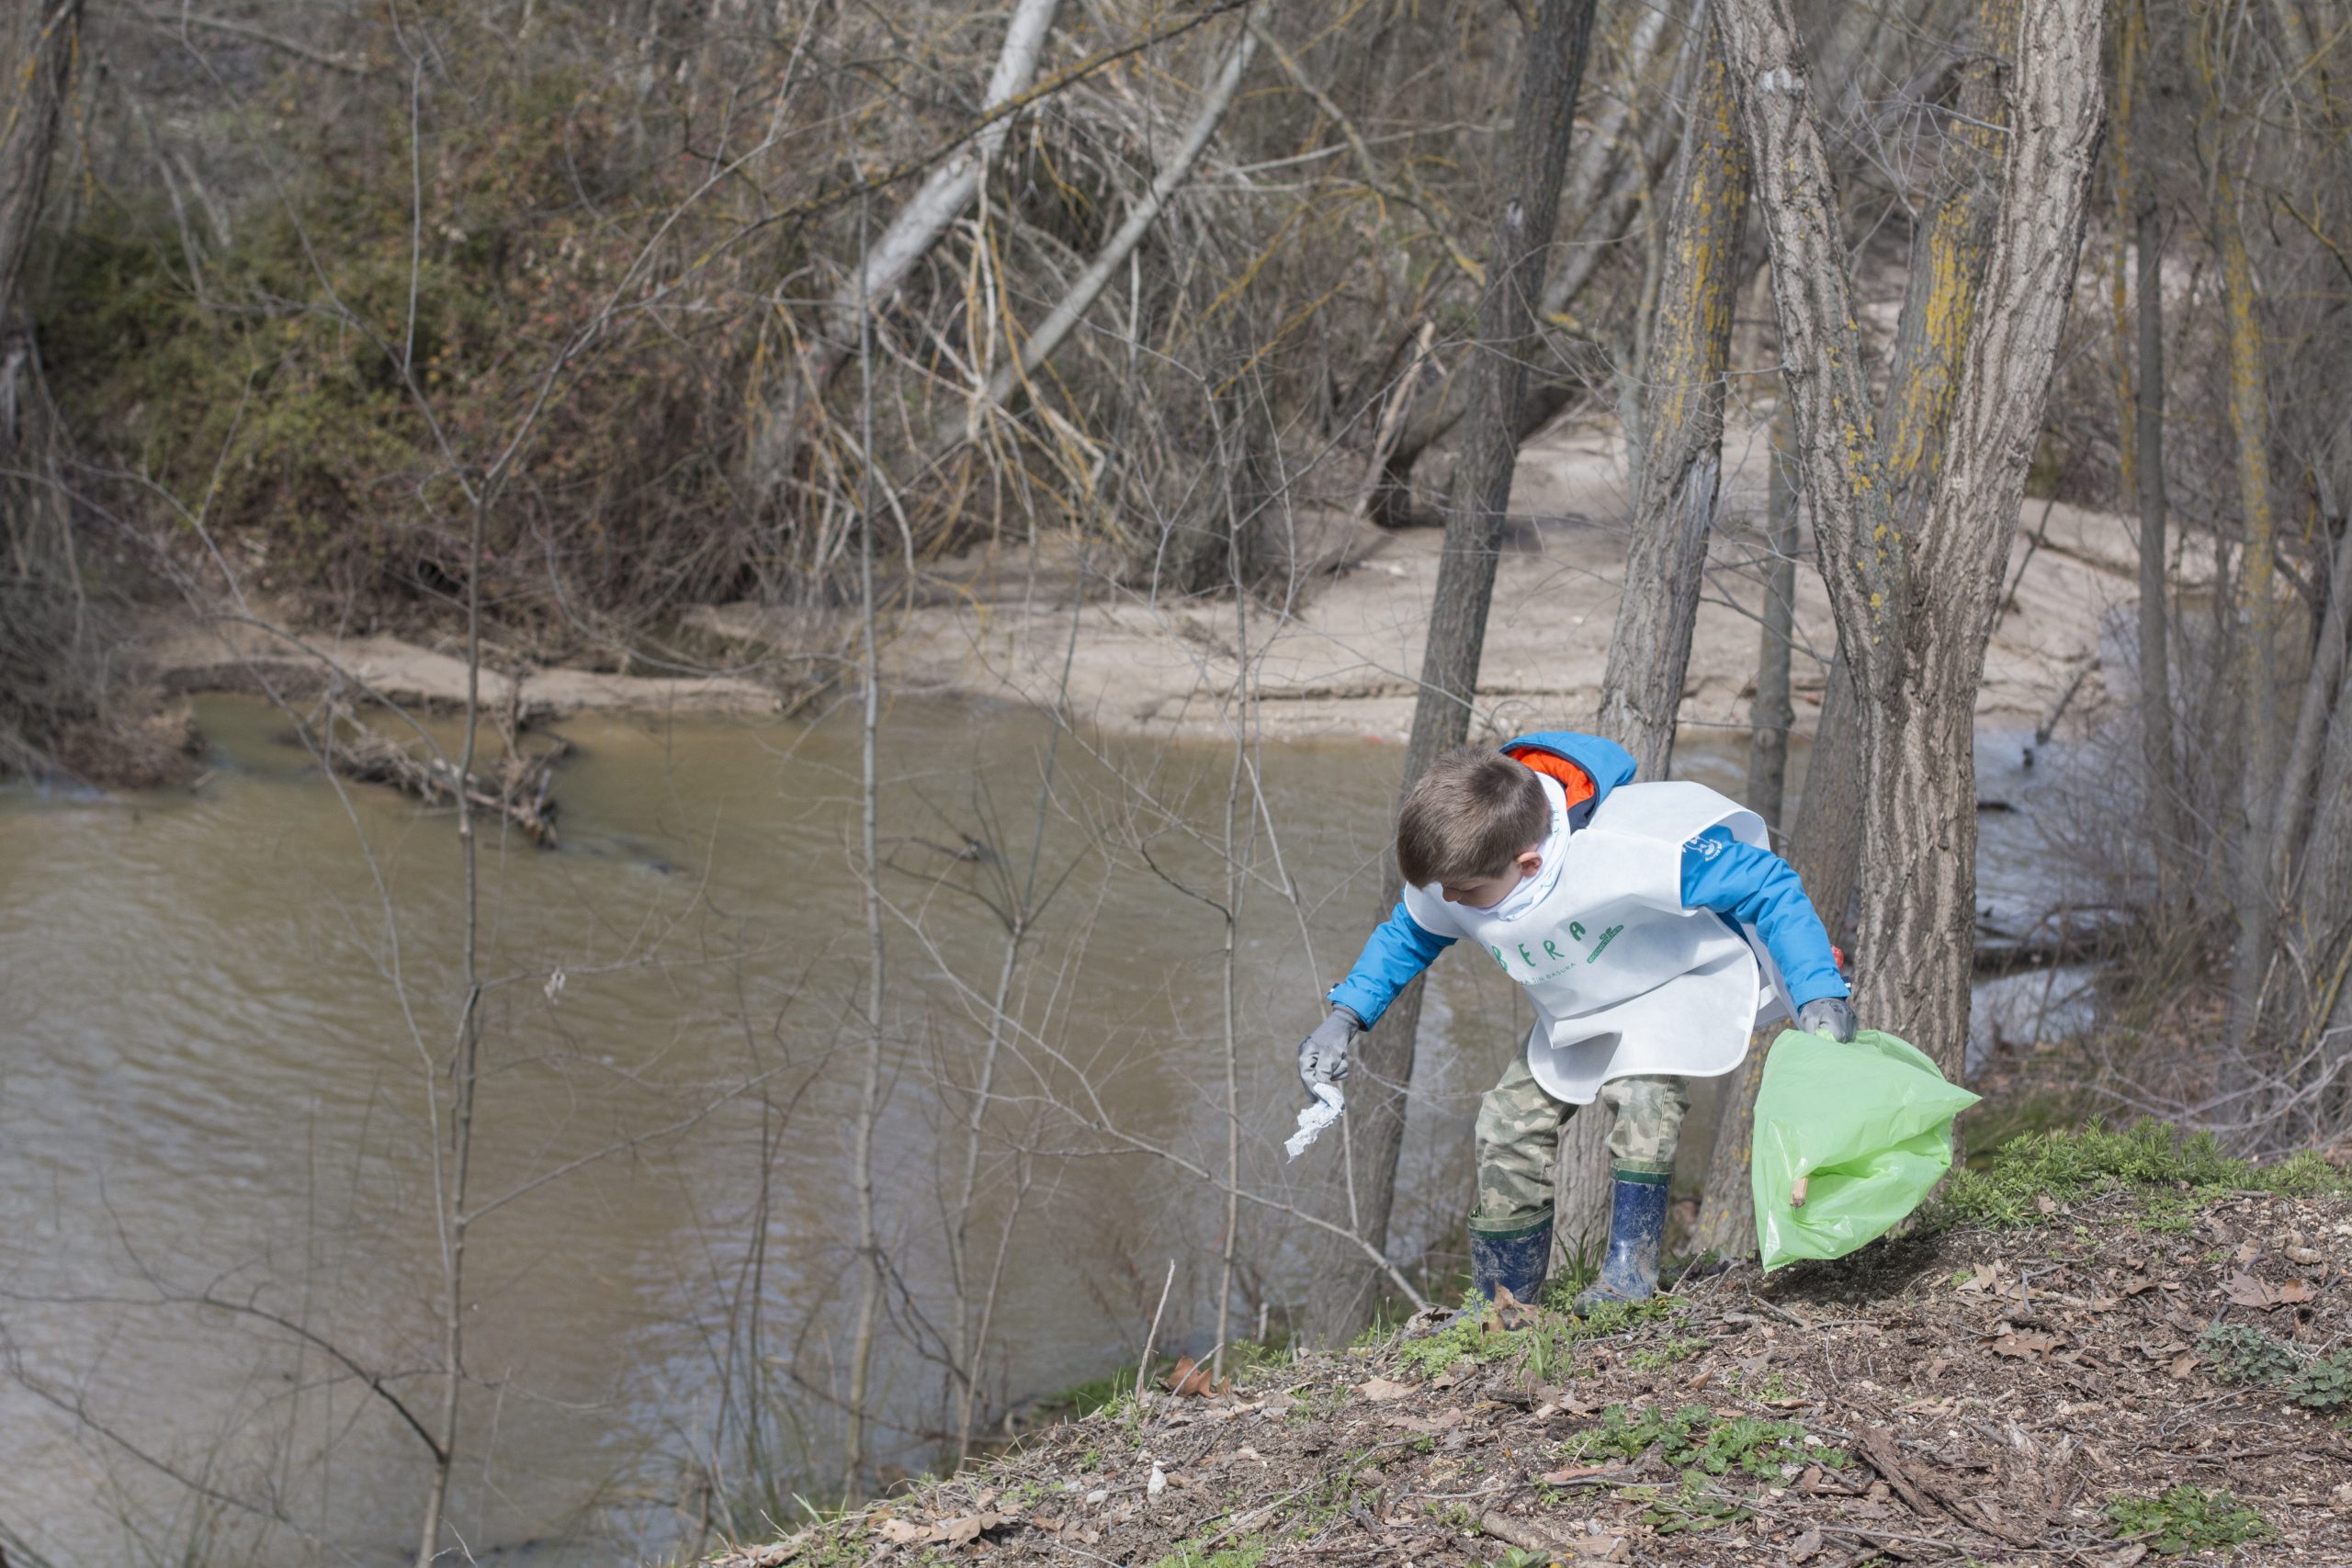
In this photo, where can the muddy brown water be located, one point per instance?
(227, 1005)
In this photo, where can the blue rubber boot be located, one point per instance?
(1513, 1254)
(1637, 1226)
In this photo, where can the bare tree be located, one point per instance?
(1552, 69)
(1678, 471)
(2257, 586)
(42, 50)
(2143, 450)
(946, 192)
(1773, 712)
(1914, 606)
(1682, 429)
(43, 628)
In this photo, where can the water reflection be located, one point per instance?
(227, 1002)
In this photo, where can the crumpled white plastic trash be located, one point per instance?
(1315, 1118)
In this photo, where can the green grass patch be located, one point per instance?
(1663, 1356)
(1096, 1395)
(1241, 1554)
(1709, 1453)
(1544, 1347)
(2178, 1172)
(2188, 1518)
(1695, 1441)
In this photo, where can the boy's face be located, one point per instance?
(1485, 892)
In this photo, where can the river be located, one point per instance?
(218, 1141)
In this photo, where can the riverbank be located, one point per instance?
(2008, 1388)
(1038, 622)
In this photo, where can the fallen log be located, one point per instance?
(519, 789)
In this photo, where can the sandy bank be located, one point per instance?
(1340, 662)
(1343, 661)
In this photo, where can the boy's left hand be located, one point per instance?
(1833, 1016)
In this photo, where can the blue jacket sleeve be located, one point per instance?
(1760, 890)
(1399, 949)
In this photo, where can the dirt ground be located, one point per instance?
(1340, 662)
(1976, 1397)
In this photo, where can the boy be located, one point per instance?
(1654, 931)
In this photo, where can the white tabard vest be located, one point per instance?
(1624, 979)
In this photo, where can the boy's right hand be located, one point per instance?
(1323, 1055)
(1832, 1016)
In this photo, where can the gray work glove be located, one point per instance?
(1827, 1015)
(1323, 1055)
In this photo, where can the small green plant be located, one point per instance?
(1243, 1555)
(1611, 1319)
(1519, 1557)
(2241, 1353)
(1693, 1505)
(1333, 1495)
(2188, 1518)
(1252, 1356)
(1760, 1447)
(1621, 1436)
(2174, 1212)
(1692, 1440)
(1665, 1355)
(1098, 1396)
(1466, 1336)
(1579, 1266)
(2322, 1382)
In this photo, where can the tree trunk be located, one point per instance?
(1950, 256)
(1914, 614)
(1681, 470)
(1606, 225)
(2299, 785)
(1553, 58)
(2258, 603)
(1649, 644)
(1825, 844)
(2140, 374)
(41, 68)
(2148, 461)
(1600, 227)
(2325, 900)
(1773, 713)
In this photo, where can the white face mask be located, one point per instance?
(1554, 851)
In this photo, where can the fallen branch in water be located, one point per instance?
(519, 790)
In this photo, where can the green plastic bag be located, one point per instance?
(1867, 1124)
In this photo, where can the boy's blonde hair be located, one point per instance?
(1469, 817)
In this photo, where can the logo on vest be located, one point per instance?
(1551, 961)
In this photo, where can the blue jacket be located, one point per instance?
(1751, 887)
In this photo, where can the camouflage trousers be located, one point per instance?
(1518, 1137)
